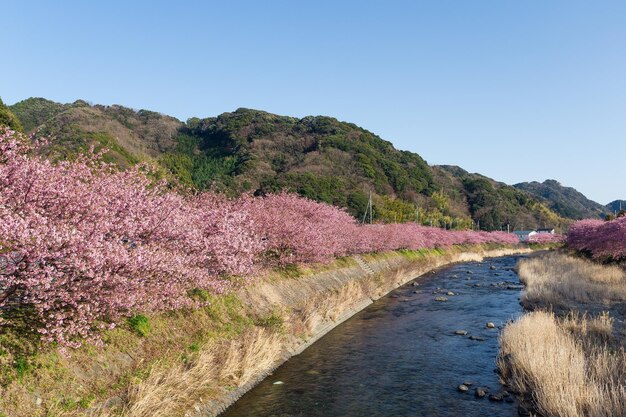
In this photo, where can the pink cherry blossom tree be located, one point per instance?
(83, 245)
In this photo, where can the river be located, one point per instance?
(401, 356)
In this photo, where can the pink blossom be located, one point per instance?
(601, 239)
(85, 244)
(543, 238)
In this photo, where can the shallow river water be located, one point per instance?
(401, 356)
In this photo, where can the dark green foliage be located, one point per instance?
(331, 190)
(7, 118)
(140, 324)
(317, 157)
(379, 160)
(198, 162)
(493, 207)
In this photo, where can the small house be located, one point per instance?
(524, 235)
(546, 230)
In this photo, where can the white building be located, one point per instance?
(524, 235)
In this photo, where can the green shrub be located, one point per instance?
(140, 324)
(21, 366)
(200, 295)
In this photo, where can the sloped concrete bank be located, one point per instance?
(310, 306)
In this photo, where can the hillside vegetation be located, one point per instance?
(565, 201)
(130, 136)
(495, 204)
(8, 118)
(317, 157)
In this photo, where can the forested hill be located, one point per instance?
(130, 135)
(494, 203)
(566, 201)
(316, 156)
(616, 206)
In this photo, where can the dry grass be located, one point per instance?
(172, 391)
(193, 358)
(560, 280)
(567, 366)
(564, 365)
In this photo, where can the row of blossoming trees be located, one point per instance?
(83, 244)
(603, 240)
(546, 238)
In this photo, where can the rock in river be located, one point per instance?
(496, 397)
(441, 299)
(480, 392)
(461, 332)
(463, 388)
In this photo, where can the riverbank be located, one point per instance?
(566, 357)
(197, 362)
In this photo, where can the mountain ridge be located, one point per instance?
(566, 201)
(318, 157)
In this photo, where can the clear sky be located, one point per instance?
(516, 90)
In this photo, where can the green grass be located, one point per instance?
(290, 271)
(273, 321)
(21, 366)
(140, 324)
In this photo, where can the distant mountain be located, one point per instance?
(566, 201)
(616, 206)
(317, 156)
(496, 204)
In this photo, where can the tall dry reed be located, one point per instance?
(560, 280)
(563, 366)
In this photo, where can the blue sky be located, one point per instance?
(516, 90)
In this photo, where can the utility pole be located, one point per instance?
(417, 214)
(371, 207)
(368, 210)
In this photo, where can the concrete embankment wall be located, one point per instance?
(312, 305)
